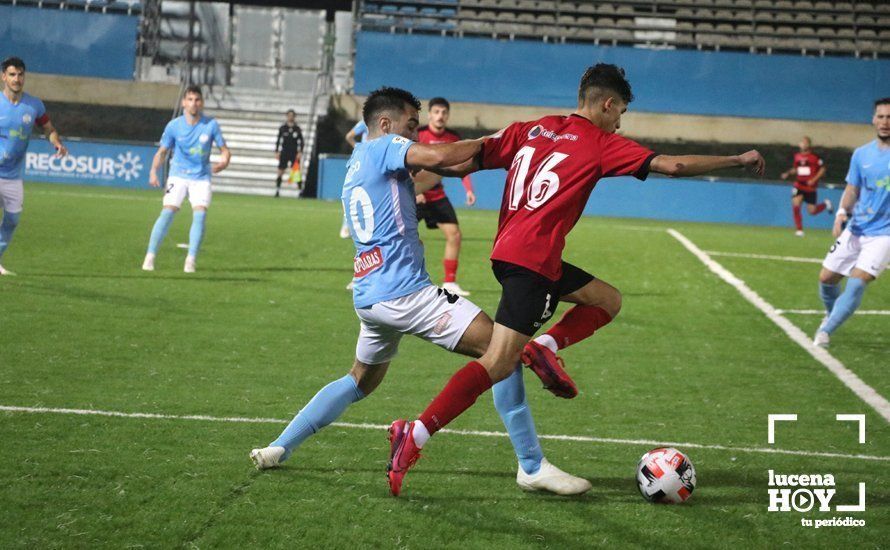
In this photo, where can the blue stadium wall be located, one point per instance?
(69, 42)
(656, 198)
(664, 81)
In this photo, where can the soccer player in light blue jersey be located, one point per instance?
(862, 249)
(19, 114)
(393, 293)
(191, 137)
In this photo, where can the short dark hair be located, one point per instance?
(387, 99)
(439, 101)
(290, 112)
(604, 77)
(13, 61)
(878, 102)
(193, 89)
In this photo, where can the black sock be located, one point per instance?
(278, 182)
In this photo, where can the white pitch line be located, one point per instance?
(822, 311)
(865, 392)
(382, 427)
(764, 257)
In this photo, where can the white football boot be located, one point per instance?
(822, 339)
(798, 233)
(149, 263)
(344, 232)
(552, 479)
(267, 457)
(4, 271)
(350, 285)
(189, 266)
(455, 288)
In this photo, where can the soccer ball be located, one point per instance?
(665, 475)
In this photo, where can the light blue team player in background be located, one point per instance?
(19, 114)
(862, 249)
(393, 293)
(353, 136)
(191, 137)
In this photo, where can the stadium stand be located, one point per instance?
(757, 26)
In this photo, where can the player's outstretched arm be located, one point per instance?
(696, 165)
(848, 201)
(53, 136)
(156, 163)
(223, 163)
(446, 159)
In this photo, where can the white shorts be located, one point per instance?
(12, 195)
(198, 192)
(870, 254)
(429, 313)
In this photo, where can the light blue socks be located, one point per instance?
(829, 294)
(7, 228)
(196, 233)
(846, 304)
(159, 231)
(327, 405)
(510, 401)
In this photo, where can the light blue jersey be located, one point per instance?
(870, 172)
(17, 121)
(191, 146)
(360, 130)
(378, 197)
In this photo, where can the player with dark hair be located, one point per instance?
(19, 114)
(808, 170)
(191, 137)
(394, 295)
(288, 147)
(433, 206)
(553, 165)
(861, 251)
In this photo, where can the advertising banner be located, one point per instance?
(90, 163)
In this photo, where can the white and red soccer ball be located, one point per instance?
(665, 475)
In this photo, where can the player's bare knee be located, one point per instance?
(828, 277)
(368, 377)
(613, 304)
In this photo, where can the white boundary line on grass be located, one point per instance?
(822, 311)
(382, 427)
(845, 375)
(763, 256)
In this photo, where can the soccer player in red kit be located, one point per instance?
(553, 165)
(808, 169)
(433, 206)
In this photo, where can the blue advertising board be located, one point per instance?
(90, 163)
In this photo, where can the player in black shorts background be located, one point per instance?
(288, 147)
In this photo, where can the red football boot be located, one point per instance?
(549, 369)
(403, 454)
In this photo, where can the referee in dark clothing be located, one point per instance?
(288, 147)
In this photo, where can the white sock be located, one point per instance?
(548, 342)
(421, 434)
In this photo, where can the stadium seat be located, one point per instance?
(785, 31)
(547, 5)
(585, 20)
(605, 9)
(806, 31)
(784, 16)
(566, 20)
(825, 32)
(825, 18)
(749, 29)
(784, 5)
(527, 4)
(823, 6)
(546, 19)
(743, 4)
(804, 17)
(526, 18)
(844, 6)
(506, 16)
(803, 5)
(844, 18)
(586, 8)
(704, 13)
(846, 33)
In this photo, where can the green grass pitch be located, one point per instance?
(266, 321)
